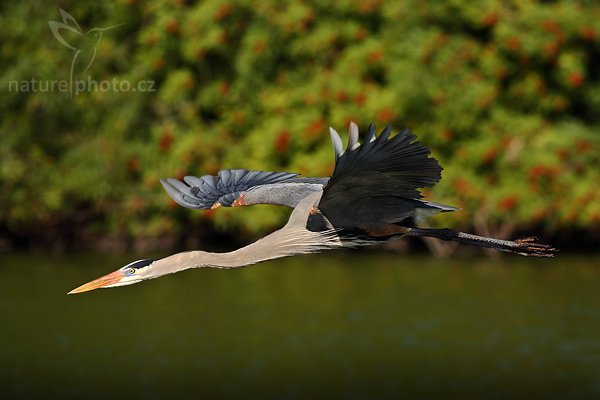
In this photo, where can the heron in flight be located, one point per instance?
(371, 197)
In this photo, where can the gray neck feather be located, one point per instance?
(290, 240)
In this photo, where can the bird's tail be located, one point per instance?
(525, 247)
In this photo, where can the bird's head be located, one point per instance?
(96, 33)
(134, 272)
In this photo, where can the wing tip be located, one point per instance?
(336, 140)
(353, 133)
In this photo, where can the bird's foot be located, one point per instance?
(530, 246)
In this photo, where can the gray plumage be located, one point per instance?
(205, 191)
(372, 196)
(286, 189)
(283, 194)
(373, 191)
(292, 239)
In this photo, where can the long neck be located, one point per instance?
(282, 243)
(292, 239)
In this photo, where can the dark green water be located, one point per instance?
(353, 324)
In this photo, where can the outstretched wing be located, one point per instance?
(373, 184)
(376, 183)
(225, 188)
(238, 187)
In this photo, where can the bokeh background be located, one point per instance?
(506, 94)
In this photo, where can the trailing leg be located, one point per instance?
(525, 247)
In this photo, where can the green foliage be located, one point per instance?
(506, 94)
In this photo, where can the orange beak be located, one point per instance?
(106, 280)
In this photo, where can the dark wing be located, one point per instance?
(226, 187)
(375, 184)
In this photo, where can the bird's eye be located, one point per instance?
(131, 271)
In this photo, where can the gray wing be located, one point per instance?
(282, 194)
(376, 183)
(238, 187)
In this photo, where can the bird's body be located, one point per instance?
(372, 196)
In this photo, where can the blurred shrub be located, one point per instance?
(506, 94)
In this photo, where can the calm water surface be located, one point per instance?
(354, 324)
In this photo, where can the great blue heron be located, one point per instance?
(370, 198)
